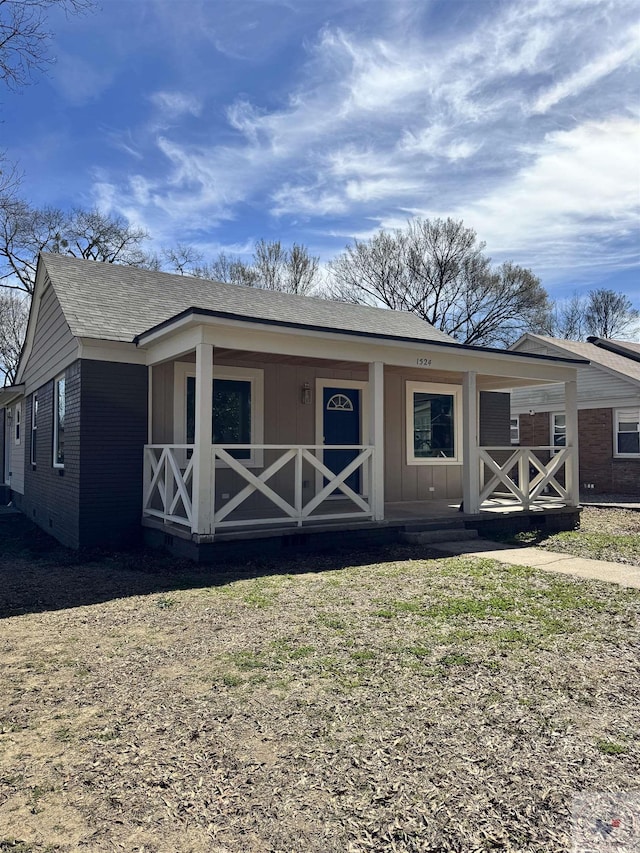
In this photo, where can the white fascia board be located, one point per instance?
(312, 343)
(119, 351)
(10, 395)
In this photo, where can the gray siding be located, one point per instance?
(16, 452)
(52, 495)
(54, 347)
(495, 413)
(113, 433)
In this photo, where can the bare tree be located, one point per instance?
(609, 314)
(26, 231)
(24, 36)
(287, 270)
(272, 267)
(437, 269)
(601, 312)
(14, 311)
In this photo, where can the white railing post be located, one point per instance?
(297, 487)
(572, 469)
(376, 438)
(202, 466)
(470, 456)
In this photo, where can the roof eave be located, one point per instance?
(194, 316)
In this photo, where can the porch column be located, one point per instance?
(572, 468)
(470, 456)
(376, 437)
(202, 509)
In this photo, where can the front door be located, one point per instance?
(341, 425)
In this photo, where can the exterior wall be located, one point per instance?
(594, 384)
(598, 466)
(15, 453)
(288, 421)
(3, 444)
(411, 482)
(52, 495)
(495, 415)
(162, 403)
(113, 418)
(96, 499)
(54, 347)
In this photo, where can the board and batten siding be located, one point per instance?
(54, 347)
(594, 384)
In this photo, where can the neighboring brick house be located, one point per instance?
(199, 411)
(608, 411)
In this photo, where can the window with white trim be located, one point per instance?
(558, 429)
(514, 426)
(434, 425)
(17, 423)
(59, 406)
(237, 415)
(34, 426)
(627, 432)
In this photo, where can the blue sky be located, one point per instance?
(218, 123)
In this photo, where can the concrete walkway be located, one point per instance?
(547, 561)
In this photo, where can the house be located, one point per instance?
(197, 412)
(608, 410)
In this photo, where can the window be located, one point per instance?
(17, 423)
(58, 422)
(231, 416)
(433, 423)
(558, 429)
(515, 429)
(34, 426)
(627, 432)
(237, 411)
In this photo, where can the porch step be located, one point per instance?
(424, 537)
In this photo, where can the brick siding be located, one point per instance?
(597, 462)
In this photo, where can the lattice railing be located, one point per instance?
(168, 484)
(524, 473)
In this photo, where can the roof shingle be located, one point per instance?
(112, 302)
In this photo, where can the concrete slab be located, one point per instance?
(548, 561)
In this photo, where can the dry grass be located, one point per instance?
(605, 534)
(364, 702)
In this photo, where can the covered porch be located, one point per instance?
(243, 438)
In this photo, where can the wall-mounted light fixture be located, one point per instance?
(305, 394)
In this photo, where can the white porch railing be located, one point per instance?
(168, 484)
(522, 472)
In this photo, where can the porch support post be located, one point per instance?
(202, 503)
(572, 467)
(376, 437)
(150, 405)
(470, 455)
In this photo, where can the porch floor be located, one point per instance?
(495, 513)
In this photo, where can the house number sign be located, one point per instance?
(423, 362)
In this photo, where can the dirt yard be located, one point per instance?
(327, 704)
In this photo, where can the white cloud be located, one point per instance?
(485, 120)
(589, 74)
(176, 104)
(580, 188)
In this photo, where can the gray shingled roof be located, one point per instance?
(596, 355)
(113, 302)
